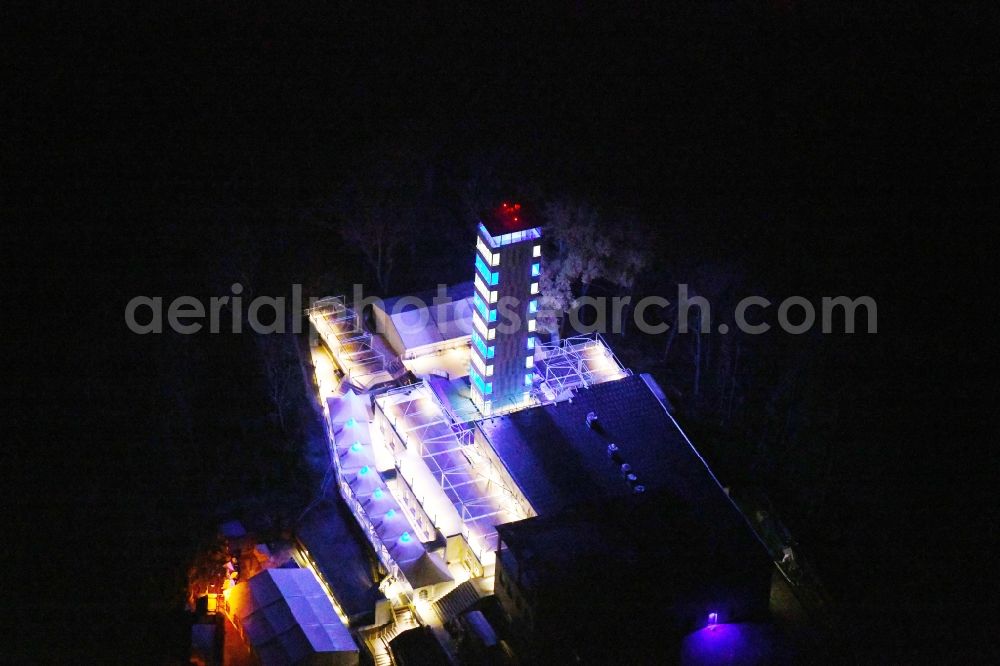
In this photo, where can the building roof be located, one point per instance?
(232, 529)
(344, 562)
(287, 617)
(455, 292)
(418, 647)
(455, 394)
(425, 569)
(510, 217)
(647, 569)
(560, 463)
(431, 323)
(558, 460)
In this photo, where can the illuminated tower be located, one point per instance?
(508, 263)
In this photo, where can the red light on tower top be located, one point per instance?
(507, 218)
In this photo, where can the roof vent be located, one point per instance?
(638, 490)
(625, 469)
(612, 449)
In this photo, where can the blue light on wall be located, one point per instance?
(506, 239)
(713, 619)
(391, 513)
(350, 423)
(363, 470)
(405, 538)
(536, 270)
(484, 309)
(356, 446)
(533, 306)
(484, 387)
(528, 378)
(377, 494)
(477, 340)
(531, 342)
(480, 304)
(484, 270)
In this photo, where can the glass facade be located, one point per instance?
(495, 242)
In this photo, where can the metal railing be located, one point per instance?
(340, 329)
(582, 360)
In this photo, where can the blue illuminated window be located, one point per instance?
(528, 378)
(536, 269)
(533, 306)
(480, 305)
(483, 308)
(531, 342)
(489, 276)
(477, 340)
(484, 387)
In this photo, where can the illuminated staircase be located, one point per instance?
(403, 619)
(456, 602)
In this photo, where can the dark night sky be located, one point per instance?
(846, 150)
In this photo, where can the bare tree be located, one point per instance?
(281, 369)
(379, 228)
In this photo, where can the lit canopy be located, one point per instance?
(288, 619)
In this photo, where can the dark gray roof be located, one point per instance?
(561, 463)
(343, 559)
(418, 647)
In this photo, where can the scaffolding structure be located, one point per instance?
(465, 472)
(582, 360)
(340, 329)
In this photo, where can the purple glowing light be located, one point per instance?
(713, 619)
(730, 643)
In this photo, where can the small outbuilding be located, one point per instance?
(286, 618)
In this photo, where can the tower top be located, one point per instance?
(508, 218)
